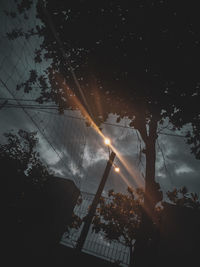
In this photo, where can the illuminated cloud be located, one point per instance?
(183, 169)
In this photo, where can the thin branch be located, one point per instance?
(164, 162)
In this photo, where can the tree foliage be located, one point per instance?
(141, 58)
(21, 166)
(20, 149)
(119, 216)
(76, 221)
(181, 197)
(139, 61)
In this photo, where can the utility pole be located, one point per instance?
(95, 202)
(81, 95)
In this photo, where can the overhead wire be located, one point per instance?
(54, 107)
(15, 66)
(33, 121)
(50, 108)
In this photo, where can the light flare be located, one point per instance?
(133, 173)
(117, 169)
(138, 179)
(107, 141)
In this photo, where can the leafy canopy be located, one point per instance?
(139, 61)
(119, 216)
(181, 197)
(19, 157)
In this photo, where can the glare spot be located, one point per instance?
(107, 141)
(117, 169)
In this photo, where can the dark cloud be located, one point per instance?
(182, 168)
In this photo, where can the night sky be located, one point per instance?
(81, 154)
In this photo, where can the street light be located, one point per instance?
(107, 141)
(117, 169)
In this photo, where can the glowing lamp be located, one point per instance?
(107, 141)
(117, 169)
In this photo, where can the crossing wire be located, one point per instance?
(14, 69)
(17, 71)
(54, 107)
(33, 121)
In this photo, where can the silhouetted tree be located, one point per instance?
(181, 197)
(22, 170)
(19, 156)
(119, 217)
(140, 62)
(76, 221)
(23, 177)
(140, 58)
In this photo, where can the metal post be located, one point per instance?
(95, 202)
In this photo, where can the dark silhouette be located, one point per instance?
(37, 206)
(91, 212)
(119, 217)
(182, 198)
(174, 235)
(140, 61)
(130, 58)
(178, 243)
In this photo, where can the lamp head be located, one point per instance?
(117, 169)
(107, 141)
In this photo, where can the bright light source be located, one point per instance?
(107, 141)
(117, 169)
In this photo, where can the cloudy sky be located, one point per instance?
(78, 152)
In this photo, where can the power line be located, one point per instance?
(54, 107)
(33, 121)
(51, 25)
(175, 135)
(114, 125)
(17, 99)
(17, 70)
(54, 32)
(8, 105)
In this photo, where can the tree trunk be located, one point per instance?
(150, 184)
(142, 255)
